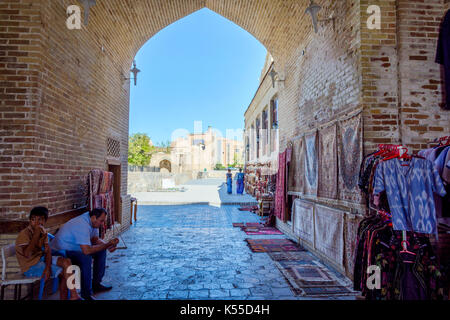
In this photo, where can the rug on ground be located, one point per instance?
(308, 277)
(273, 245)
(261, 231)
(248, 224)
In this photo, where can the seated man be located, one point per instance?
(79, 237)
(34, 254)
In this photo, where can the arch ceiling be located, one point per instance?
(126, 25)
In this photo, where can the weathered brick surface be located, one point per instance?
(420, 79)
(20, 51)
(379, 71)
(402, 85)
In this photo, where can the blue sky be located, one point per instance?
(200, 68)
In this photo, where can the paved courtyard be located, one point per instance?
(192, 252)
(204, 191)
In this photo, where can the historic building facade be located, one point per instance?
(261, 123)
(204, 151)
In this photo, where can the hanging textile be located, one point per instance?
(303, 214)
(351, 224)
(443, 55)
(296, 180)
(106, 182)
(288, 160)
(311, 164)
(280, 195)
(327, 183)
(96, 178)
(329, 233)
(101, 195)
(350, 157)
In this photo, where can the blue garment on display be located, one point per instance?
(440, 160)
(410, 191)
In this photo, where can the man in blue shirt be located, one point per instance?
(79, 237)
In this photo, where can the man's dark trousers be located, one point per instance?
(85, 263)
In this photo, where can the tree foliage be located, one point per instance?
(139, 150)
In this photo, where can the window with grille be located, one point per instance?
(113, 148)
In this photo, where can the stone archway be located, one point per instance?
(166, 164)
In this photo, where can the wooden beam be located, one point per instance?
(15, 226)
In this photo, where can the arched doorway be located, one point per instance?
(166, 165)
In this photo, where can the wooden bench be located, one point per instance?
(18, 279)
(14, 227)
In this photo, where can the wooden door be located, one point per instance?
(116, 170)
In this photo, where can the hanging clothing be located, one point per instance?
(439, 163)
(443, 55)
(404, 276)
(280, 193)
(101, 195)
(410, 192)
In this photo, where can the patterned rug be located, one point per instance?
(272, 245)
(310, 278)
(251, 208)
(254, 224)
(291, 256)
(247, 225)
(261, 231)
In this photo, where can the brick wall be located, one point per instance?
(20, 53)
(322, 77)
(420, 79)
(63, 97)
(379, 70)
(402, 85)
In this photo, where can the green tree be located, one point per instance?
(236, 160)
(139, 150)
(165, 146)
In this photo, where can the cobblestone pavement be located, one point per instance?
(203, 191)
(192, 252)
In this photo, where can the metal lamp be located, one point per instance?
(134, 71)
(273, 74)
(313, 10)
